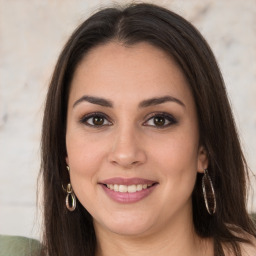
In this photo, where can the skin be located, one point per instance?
(130, 143)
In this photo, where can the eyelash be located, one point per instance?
(84, 119)
(167, 118)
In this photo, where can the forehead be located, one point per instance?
(121, 72)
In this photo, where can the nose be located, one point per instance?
(127, 150)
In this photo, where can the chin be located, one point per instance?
(128, 230)
(126, 226)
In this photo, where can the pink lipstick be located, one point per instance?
(124, 190)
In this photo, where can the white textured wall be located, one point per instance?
(31, 36)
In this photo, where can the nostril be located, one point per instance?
(127, 157)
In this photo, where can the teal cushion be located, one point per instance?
(18, 246)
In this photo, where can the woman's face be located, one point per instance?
(132, 139)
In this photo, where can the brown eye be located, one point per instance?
(98, 120)
(159, 121)
(95, 120)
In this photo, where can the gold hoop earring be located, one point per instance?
(70, 198)
(209, 193)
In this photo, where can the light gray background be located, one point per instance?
(32, 34)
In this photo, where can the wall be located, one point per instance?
(32, 34)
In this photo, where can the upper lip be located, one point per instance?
(127, 181)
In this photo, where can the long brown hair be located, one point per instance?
(72, 233)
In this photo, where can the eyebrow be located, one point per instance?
(95, 100)
(145, 103)
(160, 100)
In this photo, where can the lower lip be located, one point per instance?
(126, 198)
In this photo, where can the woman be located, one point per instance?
(140, 154)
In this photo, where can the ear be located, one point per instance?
(67, 161)
(202, 161)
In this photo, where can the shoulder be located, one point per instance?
(249, 249)
(18, 246)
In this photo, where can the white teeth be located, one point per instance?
(132, 188)
(122, 188)
(129, 189)
(139, 187)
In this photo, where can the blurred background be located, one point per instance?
(32, 34)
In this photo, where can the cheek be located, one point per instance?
(85, 156)
(179, 151)
(84, 152)
(84, 162)
(178, 164)
(177, 158)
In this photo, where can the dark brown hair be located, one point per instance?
(72, 233)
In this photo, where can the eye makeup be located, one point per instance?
(159, 120)
(96, 120)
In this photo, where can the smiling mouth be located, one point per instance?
(128, 188)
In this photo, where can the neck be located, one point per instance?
(178, 238)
